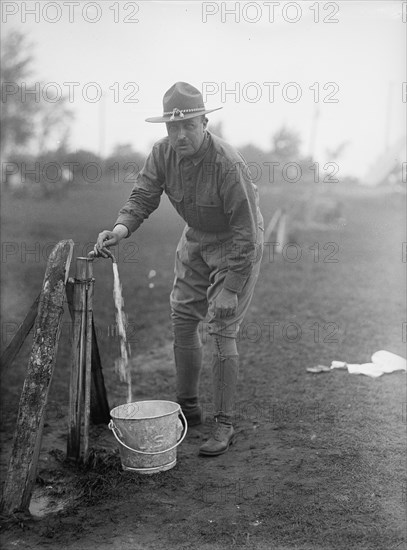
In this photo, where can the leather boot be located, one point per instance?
(188, 363)
(225, 371)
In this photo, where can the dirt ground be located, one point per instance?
(318, 461)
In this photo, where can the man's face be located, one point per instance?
(186, 136)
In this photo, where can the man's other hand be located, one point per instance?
(225, 303)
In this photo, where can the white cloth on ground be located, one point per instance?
(382, 362)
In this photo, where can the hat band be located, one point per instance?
(180, 112)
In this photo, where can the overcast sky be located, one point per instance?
(359, 49)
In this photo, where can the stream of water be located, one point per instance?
(122, 363)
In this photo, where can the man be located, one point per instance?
(218, 256)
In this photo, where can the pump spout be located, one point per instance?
(92, 255)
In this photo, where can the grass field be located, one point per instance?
(319, 459)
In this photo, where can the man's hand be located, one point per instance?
(225, 303)
(106, 239)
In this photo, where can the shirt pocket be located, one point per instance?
(211, 215)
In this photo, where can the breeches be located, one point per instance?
(200, 269)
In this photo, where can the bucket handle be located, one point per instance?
(114, 428)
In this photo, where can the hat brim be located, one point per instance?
(167, 118)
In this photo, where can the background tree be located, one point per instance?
(17, 125)
(30, 123)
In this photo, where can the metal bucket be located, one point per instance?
(149, 433)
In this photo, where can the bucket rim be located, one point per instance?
(153, 469)
(145, 417)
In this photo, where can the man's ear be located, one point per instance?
(205, 122)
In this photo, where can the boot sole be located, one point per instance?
(208, 453)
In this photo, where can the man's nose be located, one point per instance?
(181, 132)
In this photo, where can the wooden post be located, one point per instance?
(81, 271)
(74, 434)
(27, 438)
(99, 406)
(73, 442)
(88, 355)
(78, 359)
(81, 372)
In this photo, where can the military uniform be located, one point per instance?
(220, 248)
(221, 244)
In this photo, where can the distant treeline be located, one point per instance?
(57, 170)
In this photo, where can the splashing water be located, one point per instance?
(122, 366)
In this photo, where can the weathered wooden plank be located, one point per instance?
(27, 438)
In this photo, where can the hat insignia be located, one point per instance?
(176, 112)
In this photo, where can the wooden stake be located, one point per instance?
(272, 224)
(14, 346)
(99, 405)
(81, 273)
(281, 233)
(88, 356)
(27, 438)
